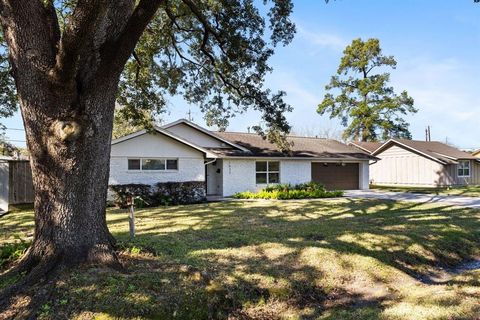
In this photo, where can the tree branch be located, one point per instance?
(28, 27)
(117, 52)
(77, 37)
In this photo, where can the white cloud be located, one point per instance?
(320, 39)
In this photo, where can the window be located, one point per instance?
(464, 168)
(133, 164)
(172, 164)
(267, 172)
(153, 164)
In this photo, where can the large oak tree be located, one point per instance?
(72, 60)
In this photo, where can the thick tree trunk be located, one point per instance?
(70, 153)
(67, 82)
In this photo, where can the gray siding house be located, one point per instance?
(420, 163)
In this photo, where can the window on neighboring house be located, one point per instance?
(267, 172)
(153, 164)
(464, 168)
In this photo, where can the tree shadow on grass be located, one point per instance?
(264, 259)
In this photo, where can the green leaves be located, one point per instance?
(368, 108)
(8, 93)
(212, 53)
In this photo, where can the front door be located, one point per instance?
(214, 178)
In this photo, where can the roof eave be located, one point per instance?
(393, 141)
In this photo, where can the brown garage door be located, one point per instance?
(334, 176)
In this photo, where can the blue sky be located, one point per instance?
(436, 44)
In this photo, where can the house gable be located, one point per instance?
(154, 145)
(402, 166)
(200, 136)
(391, 143)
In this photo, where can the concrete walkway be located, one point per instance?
(467, 202)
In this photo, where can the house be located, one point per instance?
(476, 153)
(421, 163)
(230, 162)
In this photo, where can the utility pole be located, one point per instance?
(428, 136)
(189, 114)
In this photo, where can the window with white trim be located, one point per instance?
(463, 168)
(267, 172)
(153, 164)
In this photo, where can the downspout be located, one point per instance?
(209, 162)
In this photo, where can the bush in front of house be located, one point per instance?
(311, 190)
(181, 192)
(165, 193)
(121, 193)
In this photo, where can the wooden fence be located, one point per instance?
(16, 183)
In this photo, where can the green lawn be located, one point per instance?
(467, 191)
(317, 259)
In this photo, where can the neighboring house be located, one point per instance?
(422, 163)
(231, 162)
(476, 154)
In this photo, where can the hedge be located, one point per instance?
(165, 193)
(310, 190)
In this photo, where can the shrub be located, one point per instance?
(309, 190)
(165, 193)
(181, 192)
(121, 193)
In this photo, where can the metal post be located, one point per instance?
(131, 217)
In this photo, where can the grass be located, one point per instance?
(317, 259)
(467, 191)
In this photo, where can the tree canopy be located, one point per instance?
(368, 108)
(213, 54)
(73, 61)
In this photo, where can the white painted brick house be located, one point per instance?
(233, 162)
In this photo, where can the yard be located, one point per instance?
(317, 259)
(467, 191)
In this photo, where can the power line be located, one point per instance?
(12, 140)
(16, 129)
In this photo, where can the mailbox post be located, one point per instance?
(131, 215)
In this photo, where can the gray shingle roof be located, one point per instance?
(368, 146)
(435, 149)
(302, 147)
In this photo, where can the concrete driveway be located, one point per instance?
(467, 202)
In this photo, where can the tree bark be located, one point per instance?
(70, 153)
(67, 85)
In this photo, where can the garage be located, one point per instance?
(336, 176)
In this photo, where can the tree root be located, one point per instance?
(38, 274)
(38, 270)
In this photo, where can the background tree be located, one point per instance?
(124, 123)
(368, 108)
(68, 60)
(8, 96)
(6, 148)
